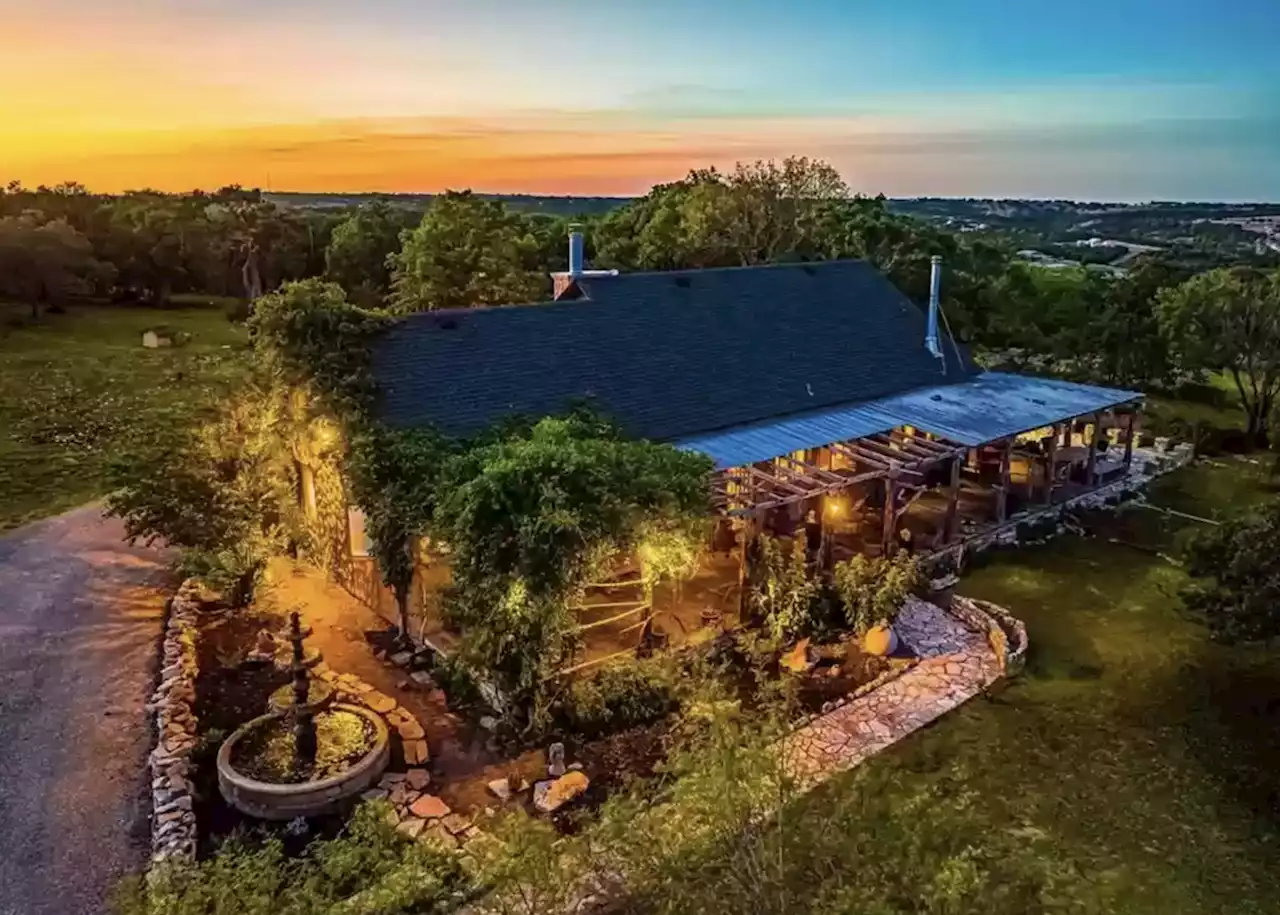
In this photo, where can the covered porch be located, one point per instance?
(923, 471)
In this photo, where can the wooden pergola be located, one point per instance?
(899, 457)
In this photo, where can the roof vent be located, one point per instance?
(937, 398)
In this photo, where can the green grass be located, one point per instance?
(78, 387)
(1141, 758)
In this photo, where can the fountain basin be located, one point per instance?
(319, 697)
(255, 784)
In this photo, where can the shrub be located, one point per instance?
(235, 572)
(370, 868)
(782, 592)
(619, 697)
(872, 590)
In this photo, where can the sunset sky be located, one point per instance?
(1123, 100)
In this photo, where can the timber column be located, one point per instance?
(1090, 472)
(889, 524)
(1002, 498)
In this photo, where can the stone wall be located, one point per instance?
(1006, 634)
(1147, 464)
(173, 822)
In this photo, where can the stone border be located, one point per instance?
(173, 819)
(1006, 633)
(1147, 465)
(281, 801)
(888, 676)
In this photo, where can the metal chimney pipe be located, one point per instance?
(931, 341)
(576, 249)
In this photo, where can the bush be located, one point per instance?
(370, 868)
(235, 572)
(619, 697)
(782, 592)
(872, 590)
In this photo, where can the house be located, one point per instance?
(825, 397)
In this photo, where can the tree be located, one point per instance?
(45, 262)
(762, 212)
(147, 245)
(466, 252)
(218, 490)
(1229, 319)
(1129, 341)
(1237, 572)
(530, 516)
(394, 478)
(359, 250)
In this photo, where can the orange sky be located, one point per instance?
(591, 96)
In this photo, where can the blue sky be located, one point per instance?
(1129, 99)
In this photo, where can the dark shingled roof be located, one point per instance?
(666, 355)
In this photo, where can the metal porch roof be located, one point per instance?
(991, 406)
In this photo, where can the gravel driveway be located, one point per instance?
(80, 615)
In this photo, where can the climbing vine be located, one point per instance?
(535, 515)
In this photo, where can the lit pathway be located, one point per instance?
(956, 665)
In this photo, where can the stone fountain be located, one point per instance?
(308, 754)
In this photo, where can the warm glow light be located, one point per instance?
(834, 506)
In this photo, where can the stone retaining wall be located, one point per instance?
(173, 821)
(1006, 634)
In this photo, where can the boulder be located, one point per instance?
(551, 794)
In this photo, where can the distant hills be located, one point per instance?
(528, 203)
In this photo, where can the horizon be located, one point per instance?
(1132, 101)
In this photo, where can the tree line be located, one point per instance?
(1145, 328)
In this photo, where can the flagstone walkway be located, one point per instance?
(956, 664)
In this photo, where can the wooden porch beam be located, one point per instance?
(1051, 466)
(1002, 497)
(1090, 472)
(856, 454)
(953, 502)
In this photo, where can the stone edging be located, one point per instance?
(880, 680)
(173, 821)
(1005, 632)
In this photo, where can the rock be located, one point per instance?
(553, 793)
(411, 730)
(297, 827)
(429, 807)
(169, 817)
(416, 753)
(455, 823)
(402, 685)
(575, 767)
(180, 803)
(422, 678)
(488, 723)
(374, 794)
(418, 779)
(402, 658)
(411, 826)
(392, 778)
(378, 702)
(797, 659)
(555, 760)
(399, 795)
(500, 788)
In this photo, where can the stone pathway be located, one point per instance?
(956, 664)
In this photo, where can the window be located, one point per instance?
(359, 539)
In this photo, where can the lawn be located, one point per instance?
(1139, 757)
(78, 387)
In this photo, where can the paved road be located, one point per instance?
(80, 615)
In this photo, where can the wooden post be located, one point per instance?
(1090, 471)
(1131, 429)
(1002, 498)
(953, 505)
(1051, 467)
(889, 524)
